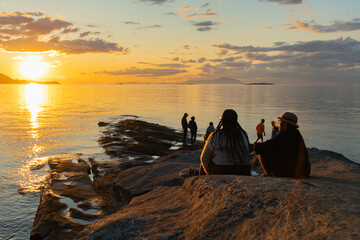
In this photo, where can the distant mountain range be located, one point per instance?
(8, 80)
(222, 80)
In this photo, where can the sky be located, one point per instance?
(173, 41)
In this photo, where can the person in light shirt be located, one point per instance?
(227, 149)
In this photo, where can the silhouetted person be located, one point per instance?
(210, 129)
(227, 149)
(275, 129)
(185, 126)
(260, 130)
(193, 129)
(285, 155)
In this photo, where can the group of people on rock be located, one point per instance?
(227, 149)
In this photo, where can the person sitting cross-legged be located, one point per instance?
(227, 149)
(285, 155)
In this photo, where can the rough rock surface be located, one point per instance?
(68, 195)
(71, 200)
(148, 198)
(325, 206)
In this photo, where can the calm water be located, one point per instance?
(37, 122)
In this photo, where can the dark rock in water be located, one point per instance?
(137, 137)
(103, 124)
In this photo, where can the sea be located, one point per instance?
(38, 122)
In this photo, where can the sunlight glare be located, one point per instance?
(32, 67)
(34, 97)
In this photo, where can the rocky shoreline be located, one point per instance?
(140, 194)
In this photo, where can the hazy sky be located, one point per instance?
(110, 41)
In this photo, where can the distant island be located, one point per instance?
(259, 84)
(222, 80)
(8, 80)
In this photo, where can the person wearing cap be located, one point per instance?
(285, 155)
(185, 126)
(227, 149)
(193, 129)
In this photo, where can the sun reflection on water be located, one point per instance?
(34, 96)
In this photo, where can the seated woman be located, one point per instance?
(227, 149)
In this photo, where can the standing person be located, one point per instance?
(193, 129)
(286, 154)
(227, 149)
(210, 129)
(185, 126)
(260, 129)
(274, 130)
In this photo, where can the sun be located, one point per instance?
(32, 67)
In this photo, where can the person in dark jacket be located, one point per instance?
(193, 129)
(285, 155)
(185, 126)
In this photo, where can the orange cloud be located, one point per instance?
(205, 14)
(185, 8)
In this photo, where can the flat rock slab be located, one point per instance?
(69, 201)
(325, 206)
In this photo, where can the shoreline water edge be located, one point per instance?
(146, 191)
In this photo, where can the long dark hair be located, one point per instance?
(230, 129)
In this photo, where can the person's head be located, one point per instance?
(273, 124)
(236, 139)
(287, 120)
(262, 120)
(192, 118)
(229, 118)
(211, 124)
(185, 114)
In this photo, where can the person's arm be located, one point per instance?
(269, 145)
(264, 130)
(207, 155)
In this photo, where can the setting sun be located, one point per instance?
(32, 67)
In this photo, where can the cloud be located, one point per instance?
(204, 14)
(132, 23)
(30, 31)
(24, 24)
(307, 12)
(75, 46)
(187, 8)
(336, 26)
(166, 65)
(149, 27)
(145, 72)
(332, 58)
(14, 20)
(336, 45)
(157, 2)
(70, 30)
(85, 34)
(287, 2)
(205, 25)
(205, 5)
